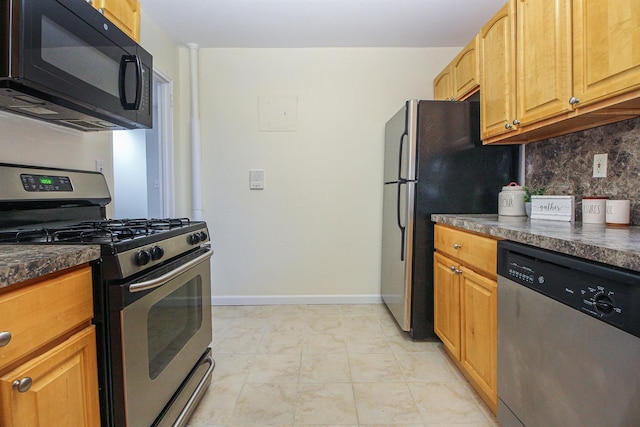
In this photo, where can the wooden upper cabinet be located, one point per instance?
(123, 13)
(466, 71)
(461, 77)
(443, 85)
(543, 68)
(497, 75)
(606, 55)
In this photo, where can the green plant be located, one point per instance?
(532, 191)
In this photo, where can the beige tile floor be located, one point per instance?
(331, 365)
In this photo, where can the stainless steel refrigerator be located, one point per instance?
(434, 162)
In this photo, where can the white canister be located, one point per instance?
(511, 200)
(593, 210)
(618, 212)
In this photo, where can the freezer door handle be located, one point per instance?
(400, 152)
(402, 228)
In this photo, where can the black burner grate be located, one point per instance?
(101, 231)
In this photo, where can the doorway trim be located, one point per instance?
(163, 90)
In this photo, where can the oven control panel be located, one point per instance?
(603, 292)
(46, 183)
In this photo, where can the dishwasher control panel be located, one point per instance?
(604, 292)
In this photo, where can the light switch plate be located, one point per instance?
(256, 179)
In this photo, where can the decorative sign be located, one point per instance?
(554, 208)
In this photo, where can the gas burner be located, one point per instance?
(98, 231)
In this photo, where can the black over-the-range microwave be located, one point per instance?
(62, 61)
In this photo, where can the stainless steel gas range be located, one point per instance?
(152, 290)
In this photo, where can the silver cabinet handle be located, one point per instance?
(5, 338)
(457, 246)
(458, 271)
(516, 122)
(453, 268)
(573, 100)
(22, 385)
(508, 126)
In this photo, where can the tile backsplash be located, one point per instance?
(564, 165)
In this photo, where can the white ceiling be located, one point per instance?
(322, 23)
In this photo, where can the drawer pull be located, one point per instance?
(22, 385)
(5, 338)
(457, 246)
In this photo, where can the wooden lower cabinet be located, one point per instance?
(466, 308)
(48, 367)
(479, 337)
(446, 301)
(64, 388)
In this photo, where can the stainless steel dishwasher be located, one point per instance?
(568, 340)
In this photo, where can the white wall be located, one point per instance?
(315, 228)
(33, 142)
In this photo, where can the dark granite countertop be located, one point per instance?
(618, 246)
(23, 262)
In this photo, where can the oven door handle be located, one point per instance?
(159, 281)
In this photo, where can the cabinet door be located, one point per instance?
(446, 289)
(543, 70)
(443, 84)
(64, 390)
(497, 76)
(606, 55)
(124, 13)
(466, 71)
(479, 329)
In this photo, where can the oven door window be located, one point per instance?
(172, 322)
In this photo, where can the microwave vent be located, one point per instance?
(89, 126)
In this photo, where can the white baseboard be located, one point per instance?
(295, 299)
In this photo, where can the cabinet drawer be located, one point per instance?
(474, 250)
(44, 311)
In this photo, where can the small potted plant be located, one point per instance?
(528, 192)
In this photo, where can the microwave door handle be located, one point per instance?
(124, 63)
(159, 281)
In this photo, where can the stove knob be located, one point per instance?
(157, 252)
(203, 236)
(143, 257)
(194, 238)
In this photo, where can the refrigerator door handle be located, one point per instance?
(402, 228)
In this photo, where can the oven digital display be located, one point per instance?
(46, 183)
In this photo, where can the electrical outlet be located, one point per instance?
(600, 165)
(100, 166)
